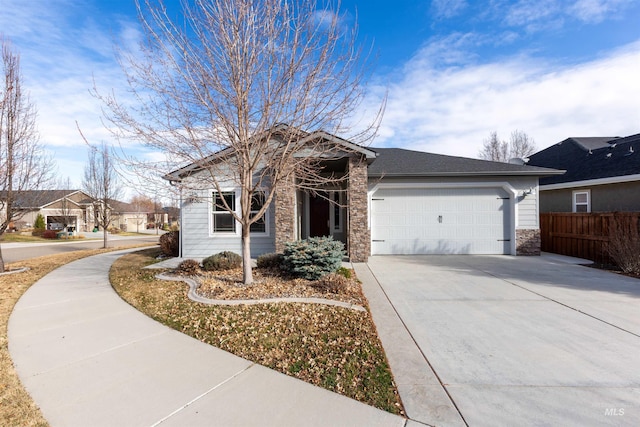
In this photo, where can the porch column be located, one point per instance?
(359, 238)
(285, 207)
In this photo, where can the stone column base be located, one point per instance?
(528, 242)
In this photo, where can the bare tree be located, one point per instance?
(101, 184)
(143, 206)
(494, 149)
(66, 206)
(521, 145)
(212, 88)
(23, 163)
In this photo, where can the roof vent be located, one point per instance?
(519, 161)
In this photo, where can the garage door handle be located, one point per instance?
(504, 240)
(440, 219)
(377, 240)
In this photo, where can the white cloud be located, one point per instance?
(527, 12)
(451, 110)
(595, 11)
(447, 8)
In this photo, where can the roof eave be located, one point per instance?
(454, 174)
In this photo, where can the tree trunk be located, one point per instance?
(104, 238)
(1, 261)
(247, 273)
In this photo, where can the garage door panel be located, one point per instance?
(440, 221)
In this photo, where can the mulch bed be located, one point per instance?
(227, 285)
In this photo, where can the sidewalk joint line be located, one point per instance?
(558, 302)
(195, 399)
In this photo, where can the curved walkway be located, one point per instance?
(88, 358)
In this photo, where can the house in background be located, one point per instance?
(395, 201)
(602, 175)
(74, 209)
(128, 217)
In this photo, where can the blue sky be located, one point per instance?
(454, 70)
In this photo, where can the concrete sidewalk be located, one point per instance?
(88, 358)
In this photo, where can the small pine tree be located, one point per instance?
(39, 223)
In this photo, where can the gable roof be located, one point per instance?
(37, 199)
(401, 162)
(590, 159)
(281, 128)
(124, 207)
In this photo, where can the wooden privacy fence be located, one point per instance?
(582, 235)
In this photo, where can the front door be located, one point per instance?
(318, 216)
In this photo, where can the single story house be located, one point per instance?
(395, 201)
(603, 175)
(73, 208)
(128, 217)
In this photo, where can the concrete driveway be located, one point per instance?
(516, 340)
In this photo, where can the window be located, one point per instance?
(223, 221)
(257, 202)
(582, 201)
(337, 199)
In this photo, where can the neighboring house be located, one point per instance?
(128, 217)
(73, 208)
(603, 175)
(395, 201)
(58, 207)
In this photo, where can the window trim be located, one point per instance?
(266, 217)
(237, 228)
(213, 212)
(575, 204)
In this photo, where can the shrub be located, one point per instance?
(270, 261)
(170, 243)
(332, 282)
(312, 258)
(190, 267)
(343, 271)
(222, 261)
(39, 224)
(38, 232)
(50, 234)
(624, 243)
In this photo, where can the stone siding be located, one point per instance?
(285, 207)
(359, 238)
(528, 242)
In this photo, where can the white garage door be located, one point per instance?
(440, 221)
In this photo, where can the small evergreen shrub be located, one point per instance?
(269, 261)
(222, 261)
(39, 226)
(190, 267)
(39, 222)
(50, 234)
(170, 243)
(331, 283)
(312, 258)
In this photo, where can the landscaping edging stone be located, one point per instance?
(193, 286)
(17, 270)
